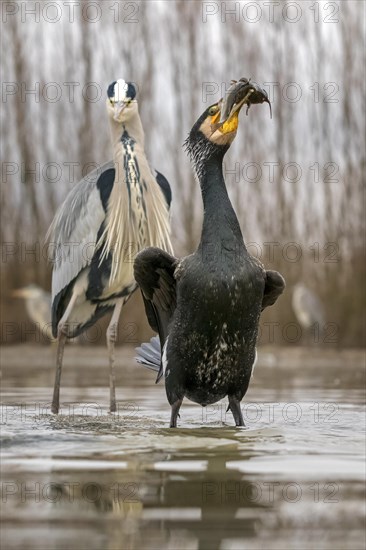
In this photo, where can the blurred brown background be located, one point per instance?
(296, 181)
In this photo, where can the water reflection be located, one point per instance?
(89, 479)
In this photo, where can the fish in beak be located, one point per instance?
(240, 93)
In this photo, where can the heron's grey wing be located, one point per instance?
(274, 286)
(73, 232)
(165, 187)
(154, 273)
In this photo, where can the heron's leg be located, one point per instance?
(61, 337)
(111, 340)
(175, 413)
(234, 406)
(61, 341)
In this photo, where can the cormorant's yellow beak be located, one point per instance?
(229, 114)
(221, 132)
(230, 124)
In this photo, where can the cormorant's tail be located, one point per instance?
(149, 354)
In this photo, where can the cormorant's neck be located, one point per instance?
(220, 224)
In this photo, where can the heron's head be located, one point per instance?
(121, 101)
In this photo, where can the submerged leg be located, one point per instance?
(61, 336)
(175, 413)
(60, 354)
(234, 406)
(111, 340)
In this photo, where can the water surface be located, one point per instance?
(293, 478)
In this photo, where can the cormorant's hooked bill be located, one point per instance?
(244, 91)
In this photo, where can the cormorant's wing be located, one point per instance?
(274, 286)
(154, 273)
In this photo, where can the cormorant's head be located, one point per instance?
(215, 130)
(208, 126)
(121, 101)
(210, 138)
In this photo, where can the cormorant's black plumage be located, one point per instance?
(206, 306)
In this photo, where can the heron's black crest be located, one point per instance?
(131, 91)
(110, 90)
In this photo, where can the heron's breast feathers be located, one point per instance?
(137, 215)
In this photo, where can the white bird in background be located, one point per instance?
(38, 306)
(308, 309)
(109, 216)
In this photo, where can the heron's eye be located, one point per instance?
(111, 101)
(213, 110)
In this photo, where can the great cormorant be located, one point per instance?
(206, 306)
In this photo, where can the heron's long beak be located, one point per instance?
(118, 108)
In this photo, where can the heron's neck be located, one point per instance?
(128, 141)
(137, 215)
(220, 224)
(132, 128)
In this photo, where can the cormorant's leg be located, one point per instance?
(175, 413)
(61, 337)
(111, 340)
(234, 406)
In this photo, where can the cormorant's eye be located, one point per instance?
(213, 110)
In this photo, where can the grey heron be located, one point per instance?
(206, 306)
(109, 216)
(38, 306)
